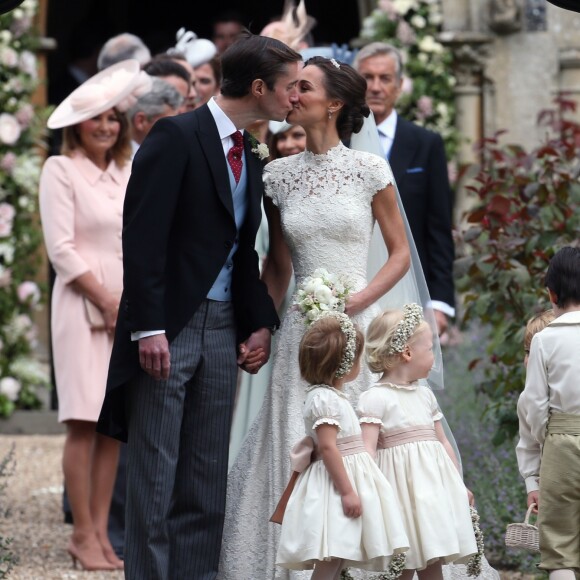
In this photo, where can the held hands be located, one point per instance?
(534, 497)
(351, 505)
(154, 356)
(441, 321)
(255, 351)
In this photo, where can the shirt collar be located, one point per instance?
(225, 126)
(572, 317)
(389, 125)
(92, 173)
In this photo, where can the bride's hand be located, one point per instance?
(354, 304)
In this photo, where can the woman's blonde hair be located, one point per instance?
(120, 152)
(535, 325)
(322, 349)
(380, 333)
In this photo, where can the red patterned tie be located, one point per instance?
(235, 155)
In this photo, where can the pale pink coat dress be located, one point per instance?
(81, 208)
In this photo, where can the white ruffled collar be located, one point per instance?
(329, 387)
(411, 387)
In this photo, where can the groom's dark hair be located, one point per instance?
(254, 57)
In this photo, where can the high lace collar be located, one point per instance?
(332, 153)
(410, 387)
(331, 388)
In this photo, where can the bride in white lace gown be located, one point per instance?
(326, 200)
(322, 206)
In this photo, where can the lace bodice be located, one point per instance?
(325, 208)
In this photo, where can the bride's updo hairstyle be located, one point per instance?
(343, 83)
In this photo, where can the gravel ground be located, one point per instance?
(33, 498)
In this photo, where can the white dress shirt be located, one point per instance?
(387, 130)
(551, 387)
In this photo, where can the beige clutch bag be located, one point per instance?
(94, 315)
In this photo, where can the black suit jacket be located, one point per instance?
(178, 230)
(420, 168)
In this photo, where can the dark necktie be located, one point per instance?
(235, 155)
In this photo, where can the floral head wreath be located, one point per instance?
(347, 328)
(412, 317)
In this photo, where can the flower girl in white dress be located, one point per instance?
(342, 511)
(401, 422)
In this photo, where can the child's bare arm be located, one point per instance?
(332, 458)
(370, 435)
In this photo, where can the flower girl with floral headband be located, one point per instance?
(401, 424)
(341, 511)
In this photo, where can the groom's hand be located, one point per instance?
(255, 351)
(154, 356)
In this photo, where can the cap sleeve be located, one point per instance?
(434, 405)
(324, 409)
(378, 174)
(271, 184)
(371, 407)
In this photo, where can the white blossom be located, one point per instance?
(9, 129)
(403, 6)
(8, 57)
(418, 21)
(10, 388)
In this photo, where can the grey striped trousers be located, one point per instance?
(178, 453)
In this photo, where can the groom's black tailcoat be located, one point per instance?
(178, 230)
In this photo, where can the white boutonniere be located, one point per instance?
(260, 150)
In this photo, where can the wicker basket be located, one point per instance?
(525, 535)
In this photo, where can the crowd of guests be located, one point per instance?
(104, 122)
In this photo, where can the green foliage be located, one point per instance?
(428, 88)
(527, 208)
(7, 558)
(20, 130)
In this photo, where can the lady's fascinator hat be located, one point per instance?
(196, 50)
(119, 86)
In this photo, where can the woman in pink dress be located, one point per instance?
(81, 206)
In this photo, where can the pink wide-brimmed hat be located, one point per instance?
(117, 86)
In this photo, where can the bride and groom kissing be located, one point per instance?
(194, 308)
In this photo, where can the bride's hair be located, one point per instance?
(343, 83)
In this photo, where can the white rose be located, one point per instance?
(5, 36)
(429, 44)
(313, 313)
(418, 21)
(8, 57)
(312, 285)
(403, 6)
(28, 63)
(10, 388)
(323, 295)
(9, 129)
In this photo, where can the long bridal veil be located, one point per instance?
(412, 287)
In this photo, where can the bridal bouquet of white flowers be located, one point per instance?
(319, 292)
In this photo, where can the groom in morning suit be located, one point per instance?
(417, 158)
(192, 294)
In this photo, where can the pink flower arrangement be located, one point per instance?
(425, 106)
(8, 162)
(28, 292)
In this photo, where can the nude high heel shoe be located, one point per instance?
(90, 557)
